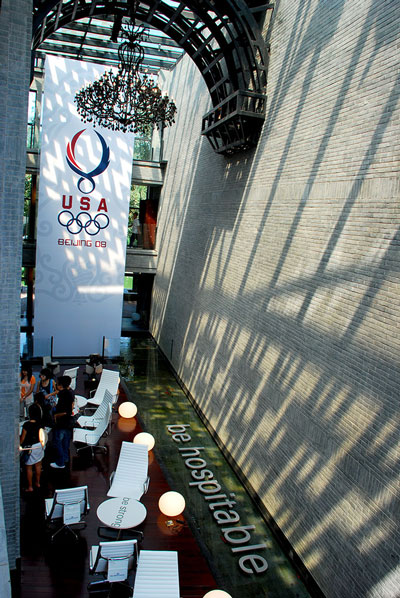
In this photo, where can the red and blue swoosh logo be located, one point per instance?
(73, 164)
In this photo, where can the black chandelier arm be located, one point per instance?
(131, 52)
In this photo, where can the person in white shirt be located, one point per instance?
(135, 230)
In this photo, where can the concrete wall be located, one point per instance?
(5, 582)
(277, 291)
(141, 260)
(15, 34)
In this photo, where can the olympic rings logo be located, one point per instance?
(83, 221)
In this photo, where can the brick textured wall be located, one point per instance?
(15, 34)
(277, 292)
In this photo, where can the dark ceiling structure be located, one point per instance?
(90, 39)
(222, 37)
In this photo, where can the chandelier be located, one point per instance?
(128, 100)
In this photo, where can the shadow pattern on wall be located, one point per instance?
(290, 425)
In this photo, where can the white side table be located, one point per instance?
(121, 513)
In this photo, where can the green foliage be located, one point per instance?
(27, 194)
(28, 186)
(142, 148)
(138, 194)
(128, 282)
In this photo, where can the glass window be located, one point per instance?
(31, 119)
(142, 149)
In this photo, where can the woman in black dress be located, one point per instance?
(30, 437)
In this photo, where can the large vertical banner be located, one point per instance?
(84, 188)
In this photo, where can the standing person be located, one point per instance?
(46, 386)
(63, 422)
(135, 230)
(27, 386)
(30, 437)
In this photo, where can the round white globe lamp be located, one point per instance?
(127, 410)
(217, 594)
(171, 504)
(145, 438)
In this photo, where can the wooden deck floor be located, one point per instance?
(61, 569)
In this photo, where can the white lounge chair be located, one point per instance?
(157, 574)
(94, 364)
(109, 381)
(72, 373)
(53, 366)
(90, 438)
(130, 477)
(113, 560)
(67, 507)
(92, 421)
